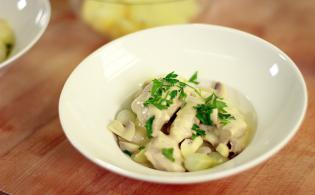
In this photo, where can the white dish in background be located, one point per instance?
(28, 19)
(98, 87)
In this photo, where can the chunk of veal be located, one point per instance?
(185, 118)
(159, 161)
(145, 112)
(234, 131)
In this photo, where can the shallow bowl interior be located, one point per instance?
(28, 19)
(266, 76)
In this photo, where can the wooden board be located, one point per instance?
(36, 158)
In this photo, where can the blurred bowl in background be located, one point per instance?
(28, 20)
(115, 18)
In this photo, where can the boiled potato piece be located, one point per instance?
(3, 51)
(117, 19)
(217, 157)
(126, 115)
(102, 16)
(198, 161)
(141, 158)
(222, 149)
(164, 13)
(119, 129)
(6, 33)
(204, 150)
(189, 146)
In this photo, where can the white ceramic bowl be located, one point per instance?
(28, 19)
(97, 88)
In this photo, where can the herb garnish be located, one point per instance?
(225, 118)
(197, 131)
(148, 126)
(165, 90)
(127, 152)
(193, 78)
(168, 153)
(141, 148)
(203, 111)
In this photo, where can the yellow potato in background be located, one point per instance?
(164, 13)
(6, 39)
(6, 33)
(3, 51)
(114, 19)
(102, 16)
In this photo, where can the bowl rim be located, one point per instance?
(196, 178)
(16, 56)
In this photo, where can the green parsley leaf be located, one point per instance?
(203, 113)
(225, 118)
(156, 86)
(168, 153)
(194, 136)
(165, 90)
(193, 78)
(182, 95)
(141, 148)
(171, 75)
(173, 94)
(148, 126)
(197, 131)
(127, 152)
(220, 105)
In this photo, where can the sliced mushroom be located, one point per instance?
(126, 115)
(140, 136)
(220, 89)
(206, 127)
(128, 146)
(127, 132)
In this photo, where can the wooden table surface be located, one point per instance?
(36, 158)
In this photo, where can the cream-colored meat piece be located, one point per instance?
(145, 112)
(181, 127)
(159, 161)
(234, 131)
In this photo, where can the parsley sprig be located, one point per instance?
(203, 111)
(193, 78)
(148, 126)
(165, 90)
(197, 131)
(168, 153)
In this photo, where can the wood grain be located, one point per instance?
(36, 158)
